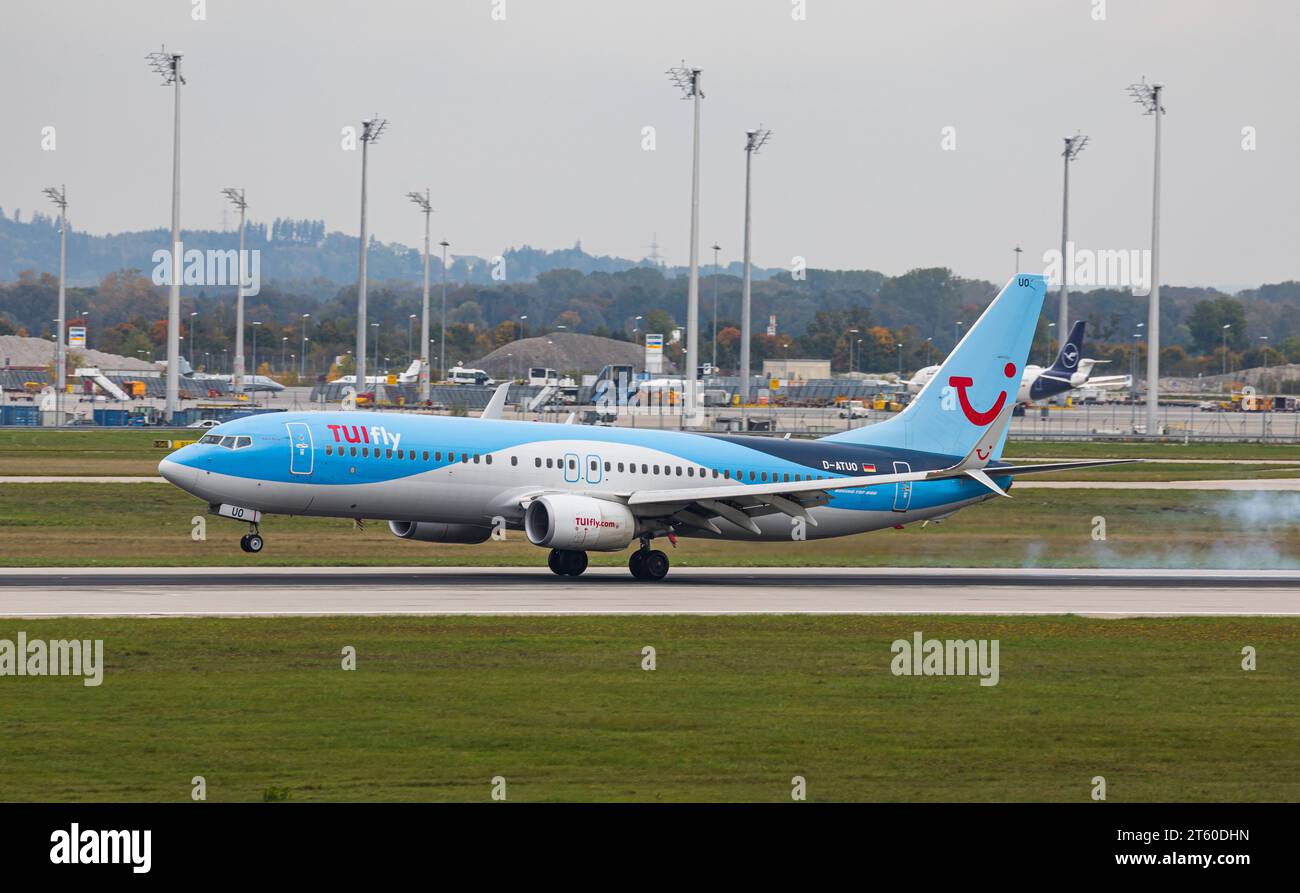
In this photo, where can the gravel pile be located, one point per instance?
(16, 350)
(563, 351)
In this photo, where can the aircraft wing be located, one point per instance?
(1107, 381)
(737, 502)
(740, 503)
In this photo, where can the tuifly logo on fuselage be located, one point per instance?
(378, 435)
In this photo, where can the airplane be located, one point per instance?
(574, 489)
(410, 376)
(1037, 384)
(251, 382)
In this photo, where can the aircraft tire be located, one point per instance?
(654, 566)
(254, 543)
(574, 563)
(556, 562)
(636, 564)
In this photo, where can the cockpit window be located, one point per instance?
(228, 441)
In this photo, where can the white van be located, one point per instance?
(461, 375)
(540, 376)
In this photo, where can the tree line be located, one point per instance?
(873, 321)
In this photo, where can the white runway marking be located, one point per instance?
(342, 591)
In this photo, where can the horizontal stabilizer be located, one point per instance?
(1057, 466)
(978, 475)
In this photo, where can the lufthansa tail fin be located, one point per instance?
(963, 401)
(1067, 361)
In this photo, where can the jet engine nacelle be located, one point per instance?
(579, 522)
(436, 532)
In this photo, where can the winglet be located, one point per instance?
(497, 403)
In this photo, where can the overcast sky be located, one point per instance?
(529, 130)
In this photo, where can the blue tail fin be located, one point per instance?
(955, 410)
(1067, 361)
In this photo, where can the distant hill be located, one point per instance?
(292, 251)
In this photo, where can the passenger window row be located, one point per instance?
(409, 455)
(571, 463)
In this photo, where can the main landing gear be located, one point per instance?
(648, 564)
(645, 563)
(567, 562)
(251, 541)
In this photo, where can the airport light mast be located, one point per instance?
(716, 249)
(688, 80)
(168, 66)
(371, 129)
(422, 199)
(59, 195)
(302, 359)
(442, 319)
(1073, 146)
(236, 197)
(1149, 97)
(256, 323)
(754, 140)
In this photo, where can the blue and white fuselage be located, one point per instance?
(403, 467)
(575, 489)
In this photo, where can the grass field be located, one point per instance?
(1181, 452)
(736, 707)
(96, 451)
(152, 524)
(1173, 471)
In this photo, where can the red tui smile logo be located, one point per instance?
(974, 416)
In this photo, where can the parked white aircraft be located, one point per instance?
(1041, 383)
(410, 376)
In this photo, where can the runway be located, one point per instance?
(159, 592)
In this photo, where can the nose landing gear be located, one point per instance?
(251, 541)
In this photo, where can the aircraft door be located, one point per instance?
(301, 454)
(592, 468)
(572, 472)
(902, 489)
